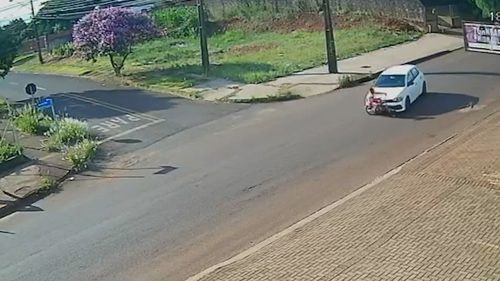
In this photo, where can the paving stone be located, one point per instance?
(438, 219)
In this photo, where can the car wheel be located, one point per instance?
(407, 103)
(424, 89)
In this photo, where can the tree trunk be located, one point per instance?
(118, 64)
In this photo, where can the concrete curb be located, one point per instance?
(378, 180)
(374, 75)
(362, 79)
(35, 196)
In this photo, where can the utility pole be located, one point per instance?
(38, 46)
(330, 38)
(203, 37)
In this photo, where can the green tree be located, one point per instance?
(19, 28)
(488, 6)
(8, 51)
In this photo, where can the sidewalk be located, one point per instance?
(318, 81)
(437, 218)
(35, 172)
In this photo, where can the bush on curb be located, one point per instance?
(179, 22)
(66, 50)
(4, 108)
(67, 131)
(47, 183)
(31, 121)
(8, 151)
(346, 81)
(82, 153)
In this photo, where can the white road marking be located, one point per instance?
(313, 216)
(294, 227)
(131, 131)
(129, 117)
(120, 134)
(112, 106)
(41, 89)
(14, 83)
(115, 123)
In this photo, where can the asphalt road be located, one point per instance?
(114, 112)
(233, 181)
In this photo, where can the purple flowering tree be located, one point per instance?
(111, 32)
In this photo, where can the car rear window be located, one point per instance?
(389, 81)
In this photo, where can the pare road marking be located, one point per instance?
(116, 123)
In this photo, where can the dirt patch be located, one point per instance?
(252, 48)
(314, 22)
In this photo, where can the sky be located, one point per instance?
(17, 9)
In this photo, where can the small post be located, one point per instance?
(203, 37)
(53, 112)
(330, 38)
(38, 45)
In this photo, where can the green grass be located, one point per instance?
(31, 121)
(81, 154)
(67, 132)
(174, 64)
(4, 108)
(47, 183)
(8, 151)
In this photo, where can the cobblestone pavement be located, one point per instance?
(437, 219)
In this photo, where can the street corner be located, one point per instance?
(108, 121)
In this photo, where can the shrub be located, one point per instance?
(47, 183)
(8, 151)
(63, 51)
(4, 108)
(8, 51)
(82, 153)
(178, 21)
(67, 131)
(346, 81)
(32, 121)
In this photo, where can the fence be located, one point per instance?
(48, 42)
(412, 10)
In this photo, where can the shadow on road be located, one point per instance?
(129, 99)
(127, 141)
(25, 205)
(434, 104)
(479, 73)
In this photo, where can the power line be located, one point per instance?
(14, 6)
(76, 15)
(69, 9)
(61, 5)
(77, 11)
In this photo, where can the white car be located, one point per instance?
(399, 86)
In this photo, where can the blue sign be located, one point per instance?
(46, 103)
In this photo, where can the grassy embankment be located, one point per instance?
(244, 51)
